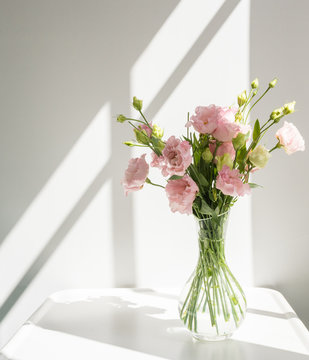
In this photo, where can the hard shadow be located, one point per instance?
(117, 321)
(123, 236)
(55, 241)
(79, 68)
(192, 55)
(60, 61)
(287, 315)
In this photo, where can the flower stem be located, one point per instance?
(265, 92)
(148, 181)
(213, 291)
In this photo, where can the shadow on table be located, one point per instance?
(146, 329)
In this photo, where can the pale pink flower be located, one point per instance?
(146, 128)
(205, 119)
(230, 183)
(135, 175)
(156, 160)
(245, 128)
(226, 126)
(290, 138)
(176, 157)
(225, 148)
(228, 113)
(181, 194)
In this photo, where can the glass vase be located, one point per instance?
(212, 304)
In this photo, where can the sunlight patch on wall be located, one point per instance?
(83, 260)
(168, 47)
(55, 201)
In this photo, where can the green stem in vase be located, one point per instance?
(214, 295)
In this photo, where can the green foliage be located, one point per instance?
(256, 130)
(157, 143)
(253, 185)
(241, 158)
(203, 208)
(175, 177)
(141, 136)
(240, 140)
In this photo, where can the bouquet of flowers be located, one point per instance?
(206, 170)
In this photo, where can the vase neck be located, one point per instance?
(211, 232)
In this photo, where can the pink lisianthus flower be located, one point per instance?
(175, 159)
(290, 138)
(156, 160)
(226, 126)
(181, 194)
(135, 175)
(230, 183)
(205, 119)
(245, 128)
(225, 148)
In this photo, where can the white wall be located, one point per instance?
(279, 38)
(65, 72)
(67, 69)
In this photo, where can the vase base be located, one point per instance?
(203, 338)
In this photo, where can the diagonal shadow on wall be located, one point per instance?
(99, 73)
(124, 276)
(56, 240)
(192, 55)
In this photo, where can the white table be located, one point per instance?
(143, 324)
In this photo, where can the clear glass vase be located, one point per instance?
(212, 304)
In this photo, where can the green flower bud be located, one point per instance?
(238, 117)
(225, 159)
(259, 156)
(141, 137)
(242, 98)
(289, 108)
(254, 92)
(129, 143)
(240, 140)
(207, 155)
(255, 83)
(157, 131)
(276, 114)
(273, 83)
(137, 104)
(121, 118)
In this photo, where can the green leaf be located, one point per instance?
(253, 185)
(197, 157)
(187, 139)
(241, 156)
(256, 130)
(195, 140)
(203, 181)
(240, 140)
(210, 194)
(214, 192)
(206, 209)
(175, 177)
(157, 143)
